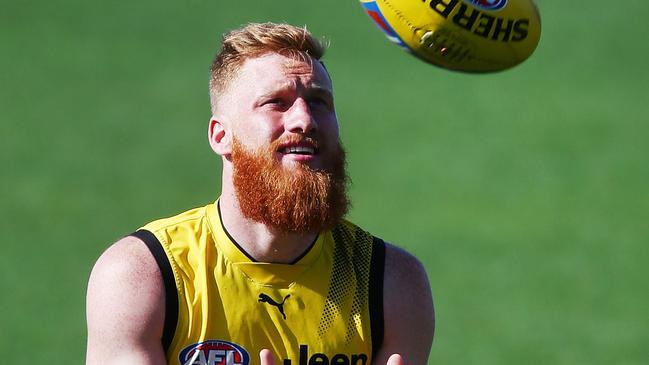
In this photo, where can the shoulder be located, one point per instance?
(406, 284)
(404, 269)
(125, 289)
(125, 306)
(128, 258)
(409, 318)
(125, 272)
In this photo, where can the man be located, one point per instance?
(271, 273)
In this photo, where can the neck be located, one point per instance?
(261, 242)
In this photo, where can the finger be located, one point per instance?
(266, 357)
(395, 359)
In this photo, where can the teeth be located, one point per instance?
(300, 149)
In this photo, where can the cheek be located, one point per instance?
(254, 134)
(329, 127)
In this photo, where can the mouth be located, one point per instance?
(303, 148)
(298, 150)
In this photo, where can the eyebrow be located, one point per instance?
(312, 88)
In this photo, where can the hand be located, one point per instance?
(266, 357)
(395, 359)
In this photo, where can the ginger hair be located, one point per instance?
(255, 40)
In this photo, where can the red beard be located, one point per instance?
(298, 200)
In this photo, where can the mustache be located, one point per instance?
(295, 139)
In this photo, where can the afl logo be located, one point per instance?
(488, 4)
(214, 352)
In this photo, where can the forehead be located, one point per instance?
(273, 71)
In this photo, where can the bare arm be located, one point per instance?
(409, 318)
(125, 307)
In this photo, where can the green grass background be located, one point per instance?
(525, 193)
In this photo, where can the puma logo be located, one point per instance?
(263, 298)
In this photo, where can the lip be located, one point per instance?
(304, 144)
(298, 158)
(299, 146)
(305, 147)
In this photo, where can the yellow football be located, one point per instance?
(461, 35)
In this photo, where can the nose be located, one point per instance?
(299, 118)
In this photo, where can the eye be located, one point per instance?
(320, 102)
(275, 103)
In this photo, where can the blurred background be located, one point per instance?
(525, 193)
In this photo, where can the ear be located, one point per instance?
(219, 137)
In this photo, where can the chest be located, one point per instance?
(314, 314)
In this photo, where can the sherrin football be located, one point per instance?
(461, 35)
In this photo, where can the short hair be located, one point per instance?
(255, 40)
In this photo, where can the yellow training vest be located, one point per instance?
(222, 307)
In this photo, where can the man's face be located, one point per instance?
(288, 164)
(280, 99)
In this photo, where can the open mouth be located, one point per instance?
(299, 150)
(302, 147)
